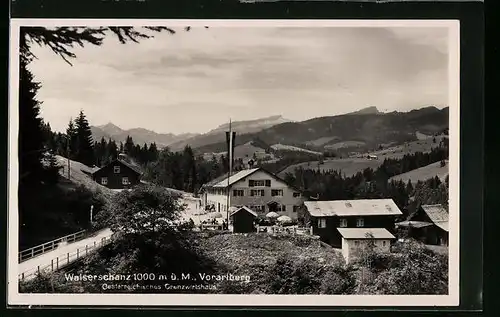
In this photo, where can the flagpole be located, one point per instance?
(230, 164)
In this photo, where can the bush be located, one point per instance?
(411, 269)
(308, 276)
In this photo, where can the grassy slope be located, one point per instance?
(249, 253)
(424, 173)
(284, 147)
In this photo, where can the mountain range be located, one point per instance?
(366, 128)
(178, 142)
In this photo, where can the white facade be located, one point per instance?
(352, 248)
(260, 191)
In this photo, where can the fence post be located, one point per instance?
(32, 252)
(52, 265)
(77, 253)
(57, 263)
(68, 257)
(86, 249)
(53, 245)
(38, 269)
(43, 248)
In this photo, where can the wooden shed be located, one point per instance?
(243, 220)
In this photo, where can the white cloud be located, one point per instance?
(193, 81)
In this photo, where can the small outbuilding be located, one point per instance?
(429, 225)
(243, 219)
(357, 240)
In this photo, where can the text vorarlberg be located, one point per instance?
(153, 277)
(224, 277)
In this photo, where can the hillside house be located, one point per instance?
(255, 188)
(357, 240)
(326, 217)
(117, 174)
(428, 224)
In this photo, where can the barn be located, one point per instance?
(243, 220)
(429, 224)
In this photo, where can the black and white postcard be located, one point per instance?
(234, 163)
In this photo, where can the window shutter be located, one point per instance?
(268, 183)
(250, 183)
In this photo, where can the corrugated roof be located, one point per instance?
(364, 233)
(235, 177)
(358, 207)
(437, 214)
(246, 209)
(413, 224)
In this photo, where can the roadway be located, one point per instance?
(59, 256)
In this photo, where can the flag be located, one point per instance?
(230, 140)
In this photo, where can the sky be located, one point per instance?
(195, 81)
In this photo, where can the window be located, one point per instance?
(296, 194)
(360, 222)
(283, 208)
(296, 208)
(125, 181)
(259, 208)
(238, 193)
(257, 192)
(276, 192)
(383, 243)
(321, 223)
(343, 223)
(116, 169)
(256, 183)
(104, 180)
(268, 183)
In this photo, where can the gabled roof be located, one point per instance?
(357, 207)
(437, 214)
(245, 208)
(364, 233)
(235, 178)
(132, 167)
(222, 181)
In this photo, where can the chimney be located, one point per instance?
(122, 157)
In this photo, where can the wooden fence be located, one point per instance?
(65, 259)
(49, 246)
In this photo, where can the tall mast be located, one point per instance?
(230, 161)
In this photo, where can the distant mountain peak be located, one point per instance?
(367, 110)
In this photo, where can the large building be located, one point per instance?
(255, 188)
(328, 217)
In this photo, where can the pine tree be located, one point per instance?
(71, 140)
(128, 147)
(31, 142)
(85, 149)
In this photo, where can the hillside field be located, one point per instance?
(357, 163)
(424, 173)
